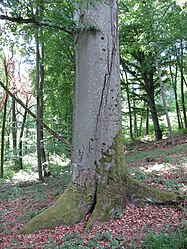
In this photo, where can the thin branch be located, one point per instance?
(34, 116)
(48, 24)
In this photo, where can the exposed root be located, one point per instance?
(70, 208)
(110, 203)
(138, 194)
(103, 202)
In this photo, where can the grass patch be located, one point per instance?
(169, 240)
(154, 154)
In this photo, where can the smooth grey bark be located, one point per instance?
(96, 119)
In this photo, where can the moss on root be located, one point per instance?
(139, 194)
(111, 185)
(70, 208)
(105, 199)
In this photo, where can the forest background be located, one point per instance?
(39, 71)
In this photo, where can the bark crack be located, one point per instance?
(107, 76)
(94, 198)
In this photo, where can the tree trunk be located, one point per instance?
(149, 86)
(147, 122)
(150, 90)
(98, 179)
(126, 84)
(174, 84)
(38, 107)
(129, 105)
(42, 71)
(41, 94)
(4, 118)
(14, 134)
(100, 182)
(21, 139)
(142, 117)
(135, 119)
(182, 85)
(97, 155)
(3, 135)
(164, 100)
(14, 125)
(157, 130)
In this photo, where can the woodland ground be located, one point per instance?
(156, 164)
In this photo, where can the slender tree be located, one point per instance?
(39, 110)
(163, 97)
(125, 82)
(181, 63)
(4, 102)
(174, 85)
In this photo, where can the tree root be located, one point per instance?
(71, 207)
(103, 203)
(139, 194)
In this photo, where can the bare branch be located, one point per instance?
(34, 116)
(48, 24)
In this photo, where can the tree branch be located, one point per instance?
(48, 24)
(34, 116)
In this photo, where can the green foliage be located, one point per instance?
(73, 241)
(154, 154)
(141, 24)
(169, 240)
(9, 173)
(32, 215)
(137, 173)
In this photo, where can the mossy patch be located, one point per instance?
(139, 194)
(70, 208)
(111, 185)
(105, 198)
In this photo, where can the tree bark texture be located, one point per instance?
(97, 110)
(97, 157)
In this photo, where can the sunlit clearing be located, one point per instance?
(181, 2)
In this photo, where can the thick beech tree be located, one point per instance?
(97, 151)
(100, 185)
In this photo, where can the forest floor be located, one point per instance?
(156, 164)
